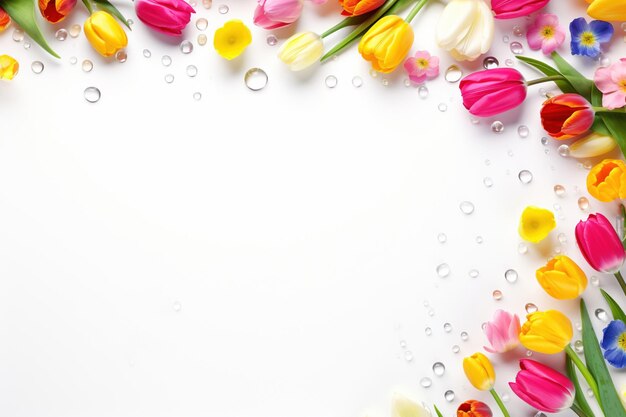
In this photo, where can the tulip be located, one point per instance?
(611, 10)
(9, 67)
(599, 244)
(465, 29)
(562, 278)
(607, 180)
(535, 224)
(405, 407)
(166, 16)
(359, 7)
(5, 20)
(301, 50)
(509, 9)
(502, 332)
(473, 408)
(55, 11)
(490, 92)
(104, 33)
(592, 145)
(546, 332)
(479, 371)
(386, 43)
(566, 115)
(273, 14)
(542, 387)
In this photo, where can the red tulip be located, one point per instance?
(166, 16)
(5, 20)
(566, 116)
(359, 7)
(473, 408)
(542, 387)
(599, 244)
(56, 10)
(509, 9)
(490, 92)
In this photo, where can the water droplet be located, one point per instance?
(407, 82)
(207, 3)
(505, 39)
(169, 78)
(516, 48)
(522, 248)
(601, 315)
(595, 281)
(37, 67)
(197, 96)
(442, 107)
(511, 276)
(497, 295)
(540, 414)
(403, 344)
(223, 9)
(18, 35)
(578, 346)
(525, 176)
(431, 312)
(202, 39)
(467, 207)
(563, 150)
(26, 45)
(192, 71)
(490, 62)
(147, 53)
(177, 306)
(443, 270)
(583, 203)
(121, 56)
(439, 368)
(408, 356)
(428, 331)
(87, 65)
(130, 22)
(449, 395)
(473, 273)
(529, 353)
(73, 60)
(92, 94)
(474, 120)
(523, 131)
(453, 74)
(60, 35)
(479, 239)
(530, 308)
(456, 349)
(559, 190)
(202, 24)
(562, 238)
(447, 327)
(518, 31)
(373, 73)
(426, 382)
(509, 62)
(464, 336)
(422, 91)
(385, 82)
(74, 31)
(497, 127)
(166, 60)
(488, 182)
(256, 79)
(186, 47)
(590, 393)
(505, 397)
(442, 237)
(331, 81)
(357, 81)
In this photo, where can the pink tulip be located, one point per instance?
(166, 16)
(272, 14)
(542, 387)
(599, 244)
(490, 92)
(502, 332)
(509, 9)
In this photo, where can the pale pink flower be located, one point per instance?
(502, 332)
(545, 33)
(611, 81)
(422, 66)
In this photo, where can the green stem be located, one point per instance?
(579, 412)
(546, 79)
(621, 281)
(599, 109)
(622, 211)
(415, 10)
(88, 6)
(348, 21)
(496, 397)
(583, 370)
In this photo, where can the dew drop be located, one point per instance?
(256, 79)
(197, 96)
(373, 73)
(594, 281)
(73, 60)
(442, 237)
(147, 53)
(202, 24)
(223, 9)
(385, 82)
(525, 176)
(61, 35)
(497, 295)
(37, 67)
(590, 393)
(87, 65)
(422, 91)
(186, 47)
(456, 349)
(121, 56)
(522, 248)
(177, 306)
(207, 3)
(449, 395)
(523, 131)
(530, 308)
(559, 190)
(511, 276)
(479, 239)
(408, 356)
(443, 270)
(464, 336)
(453, 74)
(539, 414)
(426, 382)
(516, 48)
(331, 81)
(192, 71)
(563, 150)
(473, 273)
(518, 31)
(130, 22)
(583, 203)
(407, 82)
(490, 62)
(529, 353)
(439, 369)
(202, 39)
(92, 94)
(488, 182)
(74, 31)
(509, 62)
(601, 315)
(505, 397)
(428, 331)
(505, 39)
(467, 207)
(578, 346)
(497, 127)
(26, 45)
(544, 141)
(442, 107)
(447, 327)
(562, 238)
(18, 35)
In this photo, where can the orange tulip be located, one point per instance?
(359, 7)
(5, 20)
(56, 10)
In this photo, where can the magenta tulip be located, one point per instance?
(599, 244)
(490, 92)
(166, 16)
(272, 14)
(509, 9)
(542, 387)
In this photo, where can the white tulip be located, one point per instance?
(405, 407)
(465, 29)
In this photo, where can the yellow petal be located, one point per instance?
(232, 39)
(536, 224)
(9, 67)
(592, 146)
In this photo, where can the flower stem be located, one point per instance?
(88, 6)
(496, 397)
(546, 79)
(578, 411)
(621, 281)
(583, 370)
(605, 110)
(418, 6)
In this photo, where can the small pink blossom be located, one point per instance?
(545, 34)
(422, 66)
(502, 332)
(611, 81)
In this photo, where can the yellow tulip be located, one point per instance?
(301, 50)
(536, 224)
(546, 332)
(387, 43)
(592, 145)
(104, 33)
(9, 67)
(562, 278)
(611, 10)
(405, 407)
(607, 180)
(479, 371)
(232, 39)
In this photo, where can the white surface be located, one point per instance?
(297, 228)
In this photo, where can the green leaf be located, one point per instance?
(608, 397)
(110, 8)
(616, 310)
(580, 400)
(437, 411)
(616, 126)
(23, 13)
(581, 84)
(348, 21)
(564, 86)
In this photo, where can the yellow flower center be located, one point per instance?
(422, 63)
(588, 39)
(547, 32)
(621, 341)
(622, 85)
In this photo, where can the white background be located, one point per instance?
(295, 227)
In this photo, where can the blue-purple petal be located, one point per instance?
(578, 26)
(603, 31)
(616, 357)
(611, 333)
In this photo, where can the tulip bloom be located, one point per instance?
(232, 39)
(359, 7)
(607, 180)
(535, 224)
(599, 244)
(566, 115)
(166, 16)
(5, 20)
(479, 371)
(386, 43)
(405, 407)
(490, 92)
(510, 9)
(502, 332)
(104, 33)
(9, 67)
(55, 11)
(547, 332)
(473, 408)
(273, 14)
(465, 29)
(542, 387)
(562, 278)
(301, 50)
(592, 145)
(611, 10)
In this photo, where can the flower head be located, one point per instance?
(562, 278)
(359, 7)
(301, 50)
(273, 14)
(592, 145)
(614, 343)
(547, 332)
(545, 33)
(607, 180)
(5, 20)
(611, 10)
(479, 371)
(473, 408)
(536, 224)
(55, 11)
(104, 33)
(232, 39)
(509, 9)
(8, 67)
(490, 92)
(166, 16)
(465, 29)
(566, 116)
(502, 332)
(611, 81)
(405, 407)
(587, 38)
(386, 43)
(422, 66)
(542, 387)
(599, 244)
